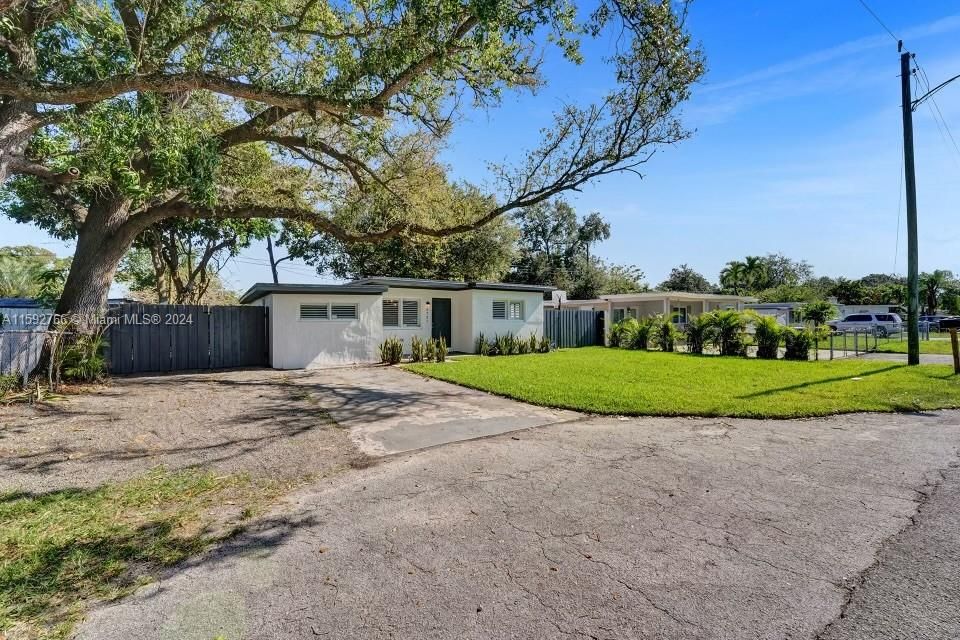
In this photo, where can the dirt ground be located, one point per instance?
(257, 421)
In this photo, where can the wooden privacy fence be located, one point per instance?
(20, 350)
(573, 327)
(174, 337)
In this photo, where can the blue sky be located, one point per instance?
(797, 146)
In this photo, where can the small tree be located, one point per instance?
(818, 312)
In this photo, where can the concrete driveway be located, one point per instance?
(388, 410)
(645, 528)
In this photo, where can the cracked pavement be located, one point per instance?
(833, 528)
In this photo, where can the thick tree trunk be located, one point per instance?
(102, 241)
(18, 120)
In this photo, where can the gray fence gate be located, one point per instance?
(174, 337)
(573, 327)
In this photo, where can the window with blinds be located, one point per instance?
(314, 312)
(411, 313)
(343, 311)
(508, 310)
(401, 313)
(391, 313)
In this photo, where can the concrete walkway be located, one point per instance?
(388, 410)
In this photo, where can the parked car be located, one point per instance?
(883, 323)
(933, 321)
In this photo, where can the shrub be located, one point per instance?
(798, 343)
(767, 334)
(8, 382)
(663, 333)
(504, 344)
(418, 350)
(621, 333)
(482, 347)
(441, 349)
(818, 312)
(430, 351)
(521, 346)
(82, 358)
(639, 337)
(698, 333)
(544, 345)
(391, 350)
(727, 331)
(532, 343)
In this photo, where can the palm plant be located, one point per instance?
(733, 276)
(664, 333)
(767, 335)
(818, 312)
(698, 333)
(754, 272)
(727, 331)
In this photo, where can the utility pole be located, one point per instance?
(910, 179)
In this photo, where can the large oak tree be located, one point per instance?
(118, 115)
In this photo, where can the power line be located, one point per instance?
(879, 21)
(936, 113)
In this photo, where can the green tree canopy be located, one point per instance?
(685, 278)
(118, 115)
(23, 269)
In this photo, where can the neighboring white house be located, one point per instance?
(317, 325)
(680, 306)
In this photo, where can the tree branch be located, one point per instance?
(42, 93)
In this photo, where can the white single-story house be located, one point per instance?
(680, 306)
(786, 313)
(318, 325)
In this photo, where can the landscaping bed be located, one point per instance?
(616, 381)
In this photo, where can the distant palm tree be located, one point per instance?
(754, 272)
(734, 276)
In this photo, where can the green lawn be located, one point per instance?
(616, 381)
(934, 345)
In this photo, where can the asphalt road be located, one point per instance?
(605, 528)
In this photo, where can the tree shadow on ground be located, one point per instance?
(813, 383)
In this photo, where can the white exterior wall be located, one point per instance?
(483, 321)
(299, 344)
(460, 317)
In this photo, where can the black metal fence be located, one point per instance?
(573, 327)
(146, 338)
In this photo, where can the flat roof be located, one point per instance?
(659, 295)
(262, 289)
(451, 285)
(377, 286)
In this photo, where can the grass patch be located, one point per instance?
(895, 345)
(616, 381)
(63, 548)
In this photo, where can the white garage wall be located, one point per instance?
(483, 321)
(298, 344)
